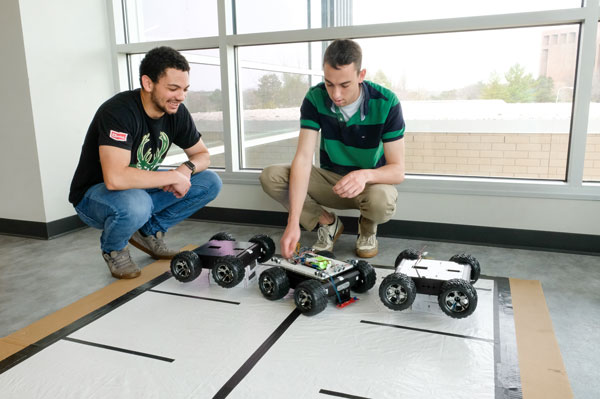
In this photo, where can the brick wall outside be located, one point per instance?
(535, 156)
(591, 170)
(487, 138)
(526, 155)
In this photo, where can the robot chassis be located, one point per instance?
(226, 257)
(452, 281)
(315, 276)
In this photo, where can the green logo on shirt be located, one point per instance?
(145, 159)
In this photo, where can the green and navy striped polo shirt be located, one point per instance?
(358, 143)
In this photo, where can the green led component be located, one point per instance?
(319, 262)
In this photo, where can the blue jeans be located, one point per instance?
(120, 213)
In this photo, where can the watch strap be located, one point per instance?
(190, 165)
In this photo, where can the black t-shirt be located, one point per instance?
(122, 122)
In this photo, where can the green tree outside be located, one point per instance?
(380, 78)
(269, 87)
(520, 87)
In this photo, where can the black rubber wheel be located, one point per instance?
(310, 297)
(368, 277)
(458, 298)
(228, 271)
(397, 291)
(327, 254)
(274, 283)
(186, 266)
(267, 247)
(406, 254)
(466, 259)
(222, 236)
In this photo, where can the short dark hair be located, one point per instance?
(157, 60)
(343, 52)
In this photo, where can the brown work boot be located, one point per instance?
(366, 244)
(154, 245)
(120, 264)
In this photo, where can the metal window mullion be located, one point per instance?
(259, 66)
(116, 29)
(583, 96)
(196, 43)
(228, 87)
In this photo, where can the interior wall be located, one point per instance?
(67, 49)
(20, 177)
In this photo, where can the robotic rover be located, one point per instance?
(226, 257)
(315, 277)
(452, 281)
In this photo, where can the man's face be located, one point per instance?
(343, 84)
(169, 91)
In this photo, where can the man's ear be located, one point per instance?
(361, 75)
(147, 83)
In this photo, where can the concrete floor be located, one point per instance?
(39, 277)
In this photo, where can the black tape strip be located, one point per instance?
(43, 343)
(341, 395)
(427, 331)
(194, 296)
(506, 367)
(117, 349)
(384, 267)
(256, 356)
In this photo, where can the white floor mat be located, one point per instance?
(198, 340)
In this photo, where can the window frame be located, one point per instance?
(587, 16)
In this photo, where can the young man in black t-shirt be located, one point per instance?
(117, 187)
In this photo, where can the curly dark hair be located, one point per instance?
(157, 60)
(343, 52)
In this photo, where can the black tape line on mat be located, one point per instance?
(256, 356)
(117, 349)
(506, 367)
(341, 394)
(43, 343)
(426, 331)
(195, 297)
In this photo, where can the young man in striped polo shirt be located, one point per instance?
(361, 156)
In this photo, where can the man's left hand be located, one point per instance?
(352, 184)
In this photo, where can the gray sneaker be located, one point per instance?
(120, 264)
(366, 246)
(328, 234)
(154, 245)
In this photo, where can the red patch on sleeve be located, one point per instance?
(118, 136)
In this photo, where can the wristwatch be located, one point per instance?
(190, 165)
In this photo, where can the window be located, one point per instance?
(267, 16)
(490, 114)
(271, 94)
(382, 11)
(487, 88)
(476, 104)
(152, 20)
(591, 170)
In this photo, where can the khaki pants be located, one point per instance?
(377, 202)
